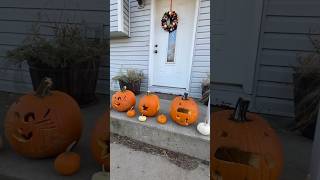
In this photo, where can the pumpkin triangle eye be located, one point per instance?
(29, 117)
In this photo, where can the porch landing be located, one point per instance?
(186, 140)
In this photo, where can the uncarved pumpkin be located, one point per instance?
(184, 110)
(131, 112)
(244, 146)
(43, 123)
(162, 119)
(123, 100)
(67, 163)
(100, 141)
(149, 104)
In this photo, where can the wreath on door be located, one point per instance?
(169, 21)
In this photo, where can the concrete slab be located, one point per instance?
(170, 136)
(15, 167)
(137, 165)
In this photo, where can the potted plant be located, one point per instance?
(205, 90)
(71, 58)
(306, 80)
(131, 79)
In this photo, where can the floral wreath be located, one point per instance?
(169, 21)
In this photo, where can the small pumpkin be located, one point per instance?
(123, 100)
(100, 140)
(43, 123)
(245, 147)
(131, 112)
(184, 110)
(102, 175)
(162, 119)
(67, 163)
(142, 118)
(149, 104)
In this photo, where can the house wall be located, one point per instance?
(16, 20)
(284, 34)
(133, 52)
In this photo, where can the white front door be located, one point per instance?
(168, 76)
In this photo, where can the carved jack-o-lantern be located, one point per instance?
(184, 110)
(44, 123)
(244, 146)
(149, 104)
(100, 141)
(123, 100)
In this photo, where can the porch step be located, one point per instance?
(186, 140)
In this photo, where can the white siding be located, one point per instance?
(133, 52)
(113, 15)
(201, 59)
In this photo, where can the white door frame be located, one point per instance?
(151, 46)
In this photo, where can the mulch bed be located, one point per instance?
(179, 159)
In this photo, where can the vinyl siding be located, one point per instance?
(201, 58)
(16, 19)
(133, 52)
(113, 15)
(286, 26)
(119, 18)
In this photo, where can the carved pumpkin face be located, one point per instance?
(184, 110)
(123, 100)
(244, 150)
(149, 105)
(40, 127)
(100, 141)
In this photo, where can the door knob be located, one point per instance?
(155, 51)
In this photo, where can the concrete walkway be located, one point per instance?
(136, 165)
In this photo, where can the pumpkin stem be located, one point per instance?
(124, 88)
(239, 114)
(44, 87)
(185, 96)
(148, 92)
(71, 146)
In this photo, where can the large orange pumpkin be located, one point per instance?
(123, 100)
(184, 110)
(244, 146)
(149, 104)
(100, 141)
(43, 123)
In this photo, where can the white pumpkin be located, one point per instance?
(204, 128)
(142, 118)
(101, 176)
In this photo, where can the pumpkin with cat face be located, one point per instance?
(43, 123)
(184, 110)
(123, 100)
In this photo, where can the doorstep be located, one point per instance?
(186, 140)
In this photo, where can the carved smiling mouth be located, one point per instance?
(21, 137)
(117, 104)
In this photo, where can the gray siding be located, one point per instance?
(119, 18)
(16, 19)
(284, 35)
(133, 52)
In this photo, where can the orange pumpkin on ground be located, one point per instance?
(123, 100)
(43, 123)
(184, 110)
(100, 141)
(244, 146)
(67, 163)
(162, 119)
(149, 104)
(131, 112)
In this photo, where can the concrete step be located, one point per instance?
(170, 136)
